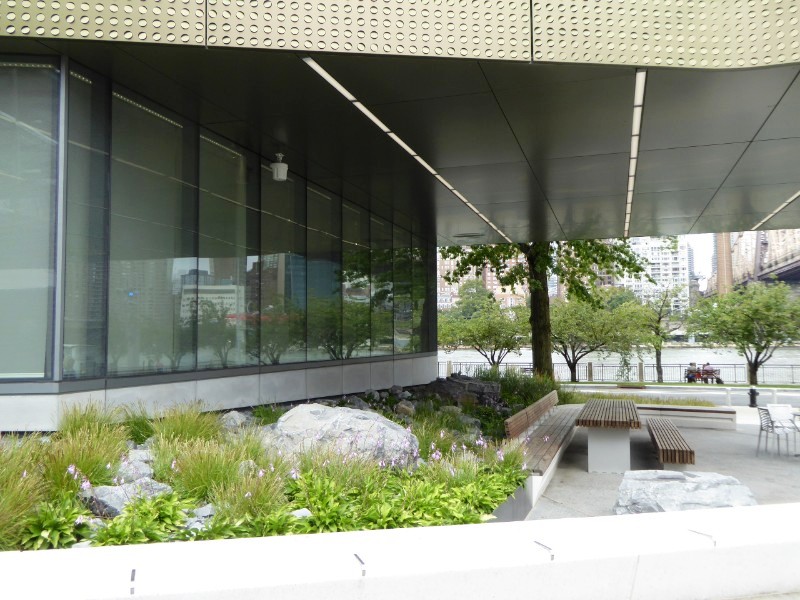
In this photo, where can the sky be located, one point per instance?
(703, 245)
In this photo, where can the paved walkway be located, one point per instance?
(574, 492)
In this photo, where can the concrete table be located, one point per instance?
(610, 423)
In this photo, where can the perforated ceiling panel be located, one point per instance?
(681, 33)
(161, 21)
(458, 28)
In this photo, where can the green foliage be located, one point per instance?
(145, 520)
(194, 466)
(187, 422)
(89, 417)
(249, 495)
(267, 414)
(283, 328)
(757, 320)
(58, 523)
(576, 397)
(138, 424)
(472, 296)
(21, 487)
(519, 390)
(86, 450)
(216, 330)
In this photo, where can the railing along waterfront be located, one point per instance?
(637, 372)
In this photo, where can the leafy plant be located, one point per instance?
(267, 414)
(187, 423)
(138, 424)
(194, 466)
(57, 524)
(252, 495)
(145, 520)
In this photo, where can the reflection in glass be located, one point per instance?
(225, 284)
(418, 293)
(283, 270)
(355, 281)
(152, 308)
(381, 278)
(85, 281)
(324, 276)
(402, 291)
(29, 134)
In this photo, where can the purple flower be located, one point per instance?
(174, 465)
(108, 465)
(24, 474)
(80, 520)
(433, 445)
(85, 484)
(294, 473)
(248, 495)
(500, 455)
(271, 468)
(436, 455)
(441, 434)
(453, 448)
(382, 464)
(452, 472)
(72, 470)
(260, 473)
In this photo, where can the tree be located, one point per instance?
(580, 327)
(472, 295)
(490, 330)
(661, 320)
(216, 329)
(757, 320)
(577, 264)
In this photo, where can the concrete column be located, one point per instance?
(589, 373)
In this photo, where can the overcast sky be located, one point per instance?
(703, 245)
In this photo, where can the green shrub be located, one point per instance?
(194, 466)
(91, 417)
(21, 487)
(145, 520)
(57, 524)
(138, 424)
(187, 423)
(267, 414)
(250, 495)
(84, 455)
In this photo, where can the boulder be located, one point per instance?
(144, 455)
(404, 407)
(233, 420)
(395, 390)
(347, 431)
(468, 390)
(383, 395)
(133, 470)
(470, 421)
(372, 395)
(301, 513)
(406, 395)
(665, 491)
(356, 402)
(109, 500)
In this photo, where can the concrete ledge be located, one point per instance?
(521, 502)
(710, 554)
(717, 417)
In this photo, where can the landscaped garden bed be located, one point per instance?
(110, 479)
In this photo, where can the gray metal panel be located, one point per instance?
(584, 176)
(663, 226)
(699, 167)
(677, 204)
(767, 162)
(750, 199)
(784, 121)
(727, 222)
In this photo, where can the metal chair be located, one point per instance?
(775, 427)
(782, 415)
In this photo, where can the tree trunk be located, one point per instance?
(541, 335)
(573, 371)
(752, 373)
(659, 368)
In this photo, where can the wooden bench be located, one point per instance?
(544, 440)
(519, 423)
(672, 449)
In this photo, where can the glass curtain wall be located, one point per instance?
(226, 280)
(29, 91)
(381, 277)
(355, 281)
(324, 330)
(152, 302)
(85, 276)
(283, 270)
(402, 291)
(418, 294)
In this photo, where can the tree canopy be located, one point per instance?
(757, 319)
(577, 264)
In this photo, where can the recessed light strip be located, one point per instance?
(636, 131)
(794, 197)
(396, 138)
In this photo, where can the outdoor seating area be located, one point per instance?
(778, 420)
(609, 423)
(672, 449)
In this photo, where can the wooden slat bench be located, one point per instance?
(543, 441)
(672, 449)
(519, 423)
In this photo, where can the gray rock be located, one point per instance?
(233, 420)
(395, 390)
(148, 443)
(405, 395)
(404, 407)
(665, 491)
(346, 431)
(470, 421)
(356, 402)
(141, 455)
(384, 395)
(302, 513)
(109, 500)
(204, 512)
(372, 395)
(133, 470)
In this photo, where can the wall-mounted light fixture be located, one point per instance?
(636, 131)
(280, 169)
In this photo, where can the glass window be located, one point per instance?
(355, 281)
(226, 284)
(324, 276)
(28, 157)
(153, 272)
(381, 278)
(283, 269)
(402, 290)
(418, 294)
(85, 281)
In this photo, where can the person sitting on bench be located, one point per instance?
(708, 373)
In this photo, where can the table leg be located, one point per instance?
(609, 450)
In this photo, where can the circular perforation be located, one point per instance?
(680, 33)
(154, 21)
(498, 30)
